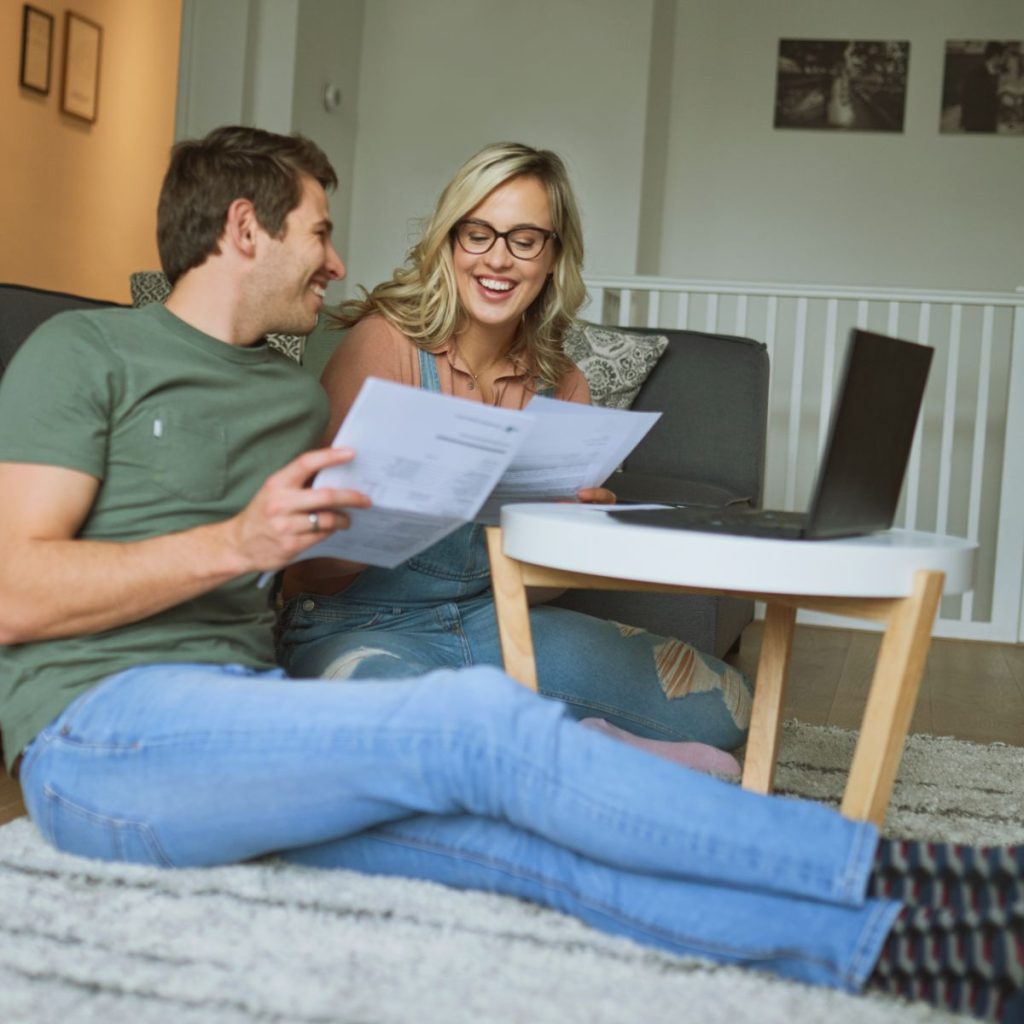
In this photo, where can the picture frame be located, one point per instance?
(83, 40)
(36, 49)
(848, 85)
(983, 87)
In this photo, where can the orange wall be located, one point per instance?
(78, 200)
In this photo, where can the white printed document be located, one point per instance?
(569, 446)
(431, 462)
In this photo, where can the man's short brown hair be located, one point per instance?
(207, 175)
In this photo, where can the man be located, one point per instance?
(140, 706)
(979, 101)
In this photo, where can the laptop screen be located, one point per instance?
(870, 436)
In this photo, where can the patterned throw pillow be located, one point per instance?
(616, 363)
(152, 286)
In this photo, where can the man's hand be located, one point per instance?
(278, 523)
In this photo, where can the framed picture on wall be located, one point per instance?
(36, 49)
(841, 84)
(82, 39)
(983, 87)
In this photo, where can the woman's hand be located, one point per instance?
(595, 496)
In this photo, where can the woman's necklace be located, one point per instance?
(474, 382)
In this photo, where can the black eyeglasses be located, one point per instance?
(476, 238)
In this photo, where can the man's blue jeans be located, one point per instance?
(465, 778)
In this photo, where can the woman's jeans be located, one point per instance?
(464, 778)
(437, 611)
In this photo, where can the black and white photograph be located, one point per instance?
(841, 84)
(983, 87)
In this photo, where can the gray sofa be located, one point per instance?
(708, 446)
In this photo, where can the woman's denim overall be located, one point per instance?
(436, 611)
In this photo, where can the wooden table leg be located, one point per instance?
(891, 700)
(769, 694)
(513, 613)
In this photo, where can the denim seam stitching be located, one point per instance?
(642, 828)
(145, 830)
(611, 911)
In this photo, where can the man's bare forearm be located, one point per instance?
(57, 588)
(54, 583)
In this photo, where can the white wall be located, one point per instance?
(329, 45)
(744, 201)
(440, 79)
(663, 110)
(266, 63)
(214, 66)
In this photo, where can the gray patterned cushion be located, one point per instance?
(152, 286)
(616, 363)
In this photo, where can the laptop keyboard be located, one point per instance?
(754, 522)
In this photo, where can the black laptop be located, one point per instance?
(865, 459)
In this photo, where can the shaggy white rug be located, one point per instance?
(87, 941)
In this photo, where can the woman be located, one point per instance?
(479, 311)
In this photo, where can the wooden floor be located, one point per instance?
(10, 799)
(970, 690)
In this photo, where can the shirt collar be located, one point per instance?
(511, 366)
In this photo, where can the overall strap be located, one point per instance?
(429, 379)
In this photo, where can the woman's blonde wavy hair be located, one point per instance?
(422, 299)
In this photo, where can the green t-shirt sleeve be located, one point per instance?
(56, 397)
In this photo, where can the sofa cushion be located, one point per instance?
(615, 362)
(152, 286)
(23, 309)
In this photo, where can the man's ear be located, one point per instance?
(241, 227)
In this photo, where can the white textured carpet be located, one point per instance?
(87, 941)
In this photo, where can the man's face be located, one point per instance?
(294, 269)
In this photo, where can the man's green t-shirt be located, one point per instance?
(181, 430)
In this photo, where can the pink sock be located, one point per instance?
(701, 757)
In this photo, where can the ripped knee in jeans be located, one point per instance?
(369, 662)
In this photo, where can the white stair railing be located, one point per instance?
(966, 470)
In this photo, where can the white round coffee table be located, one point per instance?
(896, 578)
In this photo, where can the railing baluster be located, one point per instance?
(741, 315)
(1007, 603)
(770, 325)
(795, 402)
(828, 371)
(626, 307)
(892, 324)
(912, 489)
(711, 314)
(948, 421)
(771, 318)
(683, 311)
(653, 307)
(978, 450)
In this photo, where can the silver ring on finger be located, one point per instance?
(314, 522)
